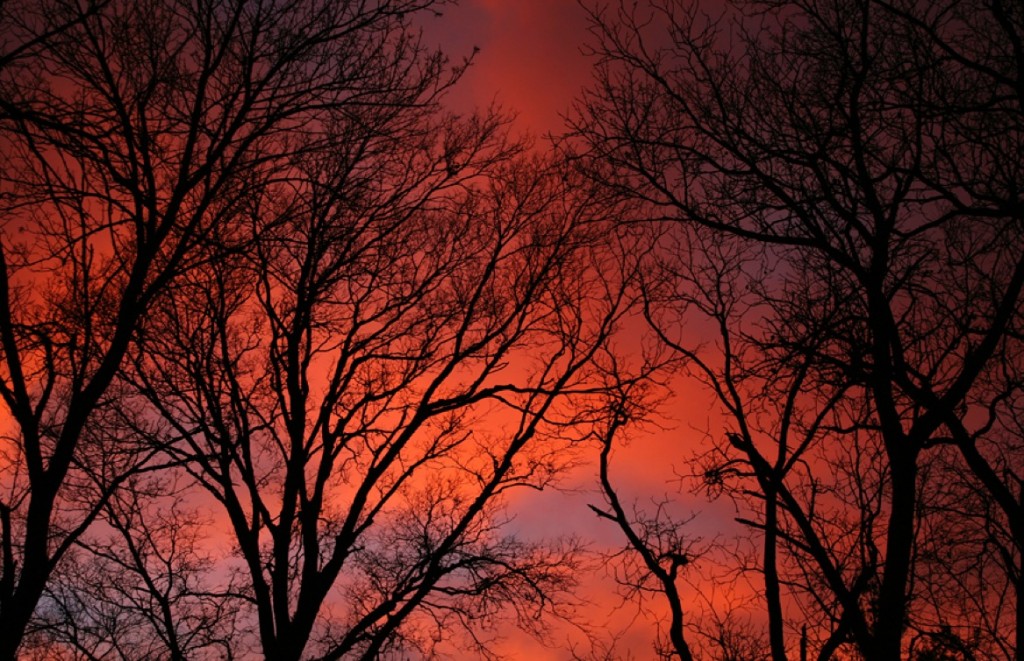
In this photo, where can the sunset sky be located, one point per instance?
(530, 60)
(322, 335)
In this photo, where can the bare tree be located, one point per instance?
(870, 149)
(708, 301)
(134, 136)
(400, 347)
(658, 547)
(141, 584)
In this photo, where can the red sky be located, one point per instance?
(530, 62)
(529, 59)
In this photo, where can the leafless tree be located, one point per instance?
(142, 583)
(870, 149)
(707, 299)
(400, 347)
(135, 134)
(658, 547)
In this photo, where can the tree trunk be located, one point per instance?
(892, 598)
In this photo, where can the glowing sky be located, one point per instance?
(531, 62)
(529, 59)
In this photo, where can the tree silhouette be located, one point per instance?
(330, 387)
(280, 337)
(252, 273)
(137, 138)
(141, 584)
(867, 151)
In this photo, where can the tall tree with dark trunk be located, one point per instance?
(873, 149)
(135, 136)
